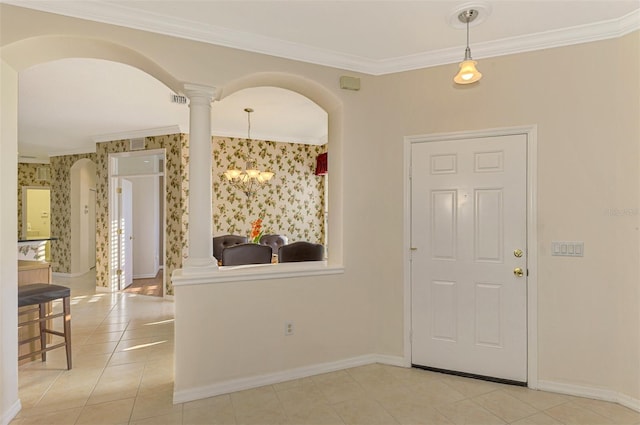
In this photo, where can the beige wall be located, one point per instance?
(585, 101)
(9, 402)
(588, 309)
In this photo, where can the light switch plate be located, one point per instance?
(567, 248)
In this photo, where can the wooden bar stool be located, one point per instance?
(40, 294)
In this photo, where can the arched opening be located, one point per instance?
(285, 135)
(27, 54)
(332, 106)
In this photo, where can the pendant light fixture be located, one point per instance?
(468, 73)
(251, 178)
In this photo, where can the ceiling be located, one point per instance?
(68, 105)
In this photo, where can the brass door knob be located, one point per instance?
(518, 272)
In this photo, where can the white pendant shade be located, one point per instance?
(468, 73)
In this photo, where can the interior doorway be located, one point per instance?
(136, 211)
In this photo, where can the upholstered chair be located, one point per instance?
(222, 242)
(246, 253)
(301, 251)
(274, 241)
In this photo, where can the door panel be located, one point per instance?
(488, 225)
(443, 224)
(468, 215)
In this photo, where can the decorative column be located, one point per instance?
(200, 258)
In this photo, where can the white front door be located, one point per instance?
(468, 238)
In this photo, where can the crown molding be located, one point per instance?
(76, 151)
(281, 138)
(33, 159)
(110, 13)
(603, 30)
(149, 132)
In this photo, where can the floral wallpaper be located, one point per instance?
(290, 204)
(27, 176)
(61, 209)
(176, 191)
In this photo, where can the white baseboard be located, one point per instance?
(168, 297)
(145, 276)
(282, 376)
(630, 402)
(11, 412)
(590, 392)
(68, 275)
(103, 289)
(391, 360)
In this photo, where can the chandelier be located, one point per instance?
(251, 178)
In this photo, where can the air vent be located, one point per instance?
(176, 98)
(42, 173)
(137, 144)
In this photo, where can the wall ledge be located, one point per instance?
(590, 392)
(229, 386)
(227, 274)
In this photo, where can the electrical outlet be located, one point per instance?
(288, 328)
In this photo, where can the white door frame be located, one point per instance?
(532, 234)
(113, 205)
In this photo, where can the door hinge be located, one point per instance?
(119, 272)
(119, 231)
(119, 190)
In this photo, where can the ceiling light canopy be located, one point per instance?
(468, 72)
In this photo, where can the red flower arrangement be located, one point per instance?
(256, 231)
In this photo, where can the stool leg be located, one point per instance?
(66, 307)
(42, 313)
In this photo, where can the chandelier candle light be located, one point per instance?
(251, 178)
(468, 73)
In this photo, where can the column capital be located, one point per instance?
(199, 91)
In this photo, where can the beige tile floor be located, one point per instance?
(123, 374)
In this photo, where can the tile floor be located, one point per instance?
(123, 373)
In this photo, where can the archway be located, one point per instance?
(33, 51)
(332, 105)
(49, 50)
(15, 58)
(287, 133)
